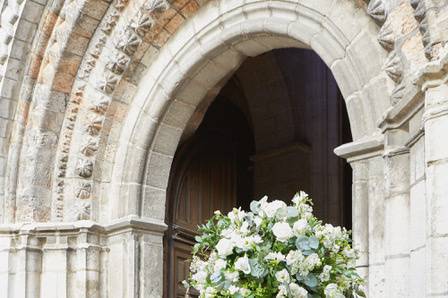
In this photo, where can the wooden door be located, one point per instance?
(205, 180)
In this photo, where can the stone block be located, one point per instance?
(418, 220)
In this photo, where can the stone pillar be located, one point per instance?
(436, 167)
(368, 208)
(360, 214)
(376, 278)
(396, 224)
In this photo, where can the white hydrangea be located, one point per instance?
(325, 275)
(297, 291)
(332, 291)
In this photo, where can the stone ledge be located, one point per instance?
(117, 226)
(363, 148)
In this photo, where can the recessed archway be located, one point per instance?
(197, 61)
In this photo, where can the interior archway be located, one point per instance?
(271, 130)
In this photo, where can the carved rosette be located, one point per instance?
(394, 67)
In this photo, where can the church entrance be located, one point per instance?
(271, 130)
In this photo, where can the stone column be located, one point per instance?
(368, 208)
(436, 167)
(396, 224)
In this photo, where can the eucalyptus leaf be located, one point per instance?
(313, 242)
(311, 280)
(257, 269)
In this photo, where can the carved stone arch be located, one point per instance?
(197, 60)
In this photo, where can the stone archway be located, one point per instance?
(198, 59)
(94, 115)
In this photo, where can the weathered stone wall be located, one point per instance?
(94, 96)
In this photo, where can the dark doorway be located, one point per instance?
(270, 131)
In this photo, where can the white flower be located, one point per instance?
(293, 257)
(200, 277)
(236, 215)
(278, 256)
(257, 221)
(219, 265)
(300, 226)
(233, 289)
(231, 276)
(299, 197)
(270, 209)
(282, 291)
(325, 275)
(224, 247)
(242, 264)
(282, 231)
(312, 261)
(210, 292)
(332, 291)
(283, 276)
(297, 291)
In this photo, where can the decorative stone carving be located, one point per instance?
(377, 10)
(100, 105)
(394, 67)
(89, 147)
(120, 4)
(94, 126)
(84, 168)
(156, 5)
(81, 210)
(84, 191)
(111, 21)
(118, 63)
(108, 84)
(142, 23)
(386, 37)
(129, 42)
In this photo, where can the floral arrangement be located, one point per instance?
(273, 251)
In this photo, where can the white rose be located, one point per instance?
(282, 231)
(300, 226)
(224, 247)
(283, 276)
(297, 291)
(270, 209)
(242, 264)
